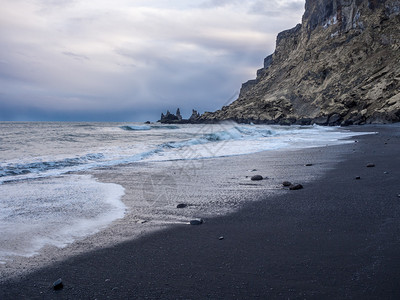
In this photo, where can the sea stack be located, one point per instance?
(177, 118)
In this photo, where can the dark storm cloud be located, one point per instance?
(130, 60)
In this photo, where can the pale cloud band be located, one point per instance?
(125, 60)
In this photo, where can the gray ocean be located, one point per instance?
(45, 199)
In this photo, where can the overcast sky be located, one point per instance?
(129, 60)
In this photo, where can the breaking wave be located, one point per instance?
(41, 166)
(135, 127)
(236, 139)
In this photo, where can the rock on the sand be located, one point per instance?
(295, 187)
(181, 205)
(257, 178)
(286, 183)
(58, 284)
(370, 165)
(196, 222)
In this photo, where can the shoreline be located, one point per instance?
(271, 243)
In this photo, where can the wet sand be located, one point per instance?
(339, 237)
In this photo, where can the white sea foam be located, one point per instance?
(55, 211)
(233, 139)
(167, 142)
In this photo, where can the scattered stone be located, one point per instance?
(196, 222)
(398, 195)
(386, 173)
(370, 165)
(335, 119)
(309, 165)
(181, 205)
(346, 123)
(141, 221)
(295, 187)
(358, 178)
(323, 120)
(221, 238)
(254, 170)
(58, 284)
(256, 178)
(147, 122)
(286, 183)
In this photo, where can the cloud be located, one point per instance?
(75, 56)
(218, 3)
(130, 58)
(277, 8)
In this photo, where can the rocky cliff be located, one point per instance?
(340, 66)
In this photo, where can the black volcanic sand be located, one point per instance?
(337, 238)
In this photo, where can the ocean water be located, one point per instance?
(44, 200)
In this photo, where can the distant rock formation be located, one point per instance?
(177, 118)
(340, 66)
(195, 116)
(170, 117)
(178, 115)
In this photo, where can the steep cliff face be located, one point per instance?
(340, 66)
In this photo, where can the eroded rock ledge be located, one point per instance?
(340, 66)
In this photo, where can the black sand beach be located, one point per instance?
(338, 238)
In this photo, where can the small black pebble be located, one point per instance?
(181, 205)
(309, 165)
(370, 165)
(295, 187)
(196, 222)
(58, 285)
(257, 178)
(221, 238)
(358, 177)
(286, 183)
